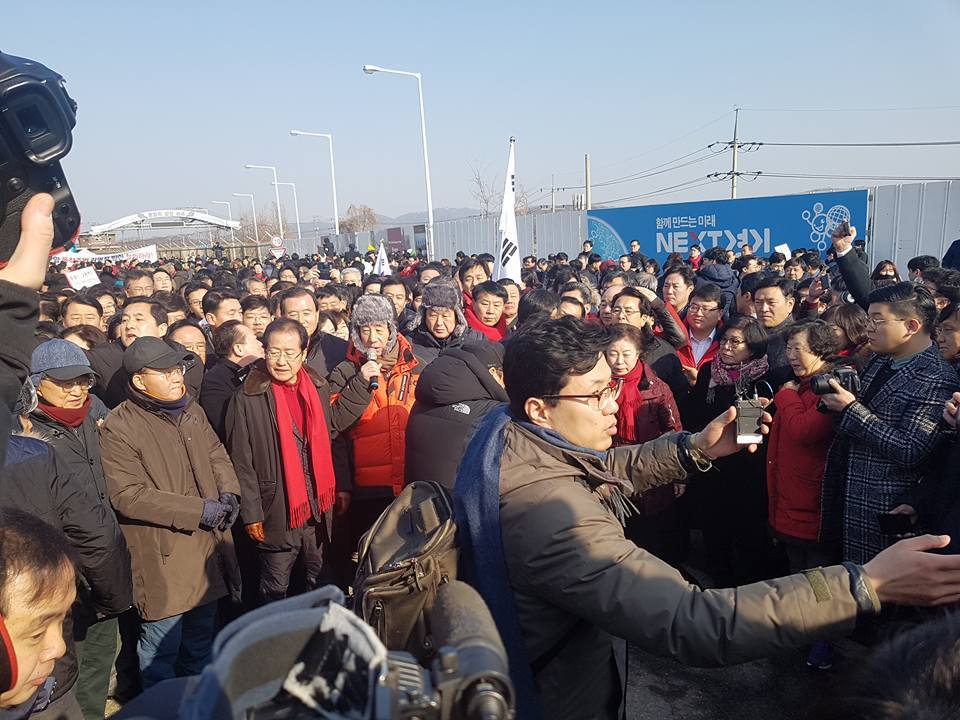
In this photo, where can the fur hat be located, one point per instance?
(370, 309)
(442, 294)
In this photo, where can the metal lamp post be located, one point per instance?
(333, 174)
(253, 204)
(233, 237)
(276, 190)
(296, 205)
(370, 70)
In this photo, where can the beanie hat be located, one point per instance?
(370, 309)
(442, 294)
(60, 359)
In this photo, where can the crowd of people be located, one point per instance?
(211, 435)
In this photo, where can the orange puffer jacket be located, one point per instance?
(379, 436)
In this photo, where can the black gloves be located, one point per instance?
(232, 502)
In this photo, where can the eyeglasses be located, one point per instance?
(599, 399)
(697, 308)
(732, 342)
(876, 322)
(171, 372)
(626, 312)
(84, 382)
(290, 355)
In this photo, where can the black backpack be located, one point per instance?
(408, 553)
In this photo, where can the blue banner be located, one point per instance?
(799, 221)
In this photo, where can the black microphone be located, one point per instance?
(460, 620)
(375, 380)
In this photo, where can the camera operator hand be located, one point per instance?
(842, 243)
(907, 574)
(838, 400)
(27, 266)
(719, 438)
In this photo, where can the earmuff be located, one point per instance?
(8, 660)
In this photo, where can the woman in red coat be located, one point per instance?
(647, 410)
(800, 437)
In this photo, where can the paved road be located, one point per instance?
(782, 687)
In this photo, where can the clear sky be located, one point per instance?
(176, 96)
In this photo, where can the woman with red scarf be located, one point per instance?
(67, 417)
(647, 410)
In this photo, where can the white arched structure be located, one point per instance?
(148, 218)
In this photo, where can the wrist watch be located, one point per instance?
(691, 457)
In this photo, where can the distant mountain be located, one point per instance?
(439, 214)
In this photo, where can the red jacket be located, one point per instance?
(796, 457)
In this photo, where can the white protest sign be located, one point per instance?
(783, 250)
(83, 278)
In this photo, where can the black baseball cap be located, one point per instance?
(153, 353)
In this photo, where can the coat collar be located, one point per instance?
(258, 379)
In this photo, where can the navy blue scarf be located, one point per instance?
(476, 503)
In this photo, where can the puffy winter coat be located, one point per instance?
(36, 479)
(796, 457)
(581, 588)
(378, 437)
(453, 393)
(725, 278)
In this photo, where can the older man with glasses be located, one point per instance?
(176, 496)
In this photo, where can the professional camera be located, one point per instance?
(36, 119)
(848, 379)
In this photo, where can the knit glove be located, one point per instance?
(214, 513)
(233, 504)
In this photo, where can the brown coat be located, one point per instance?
(581, 587)
(158, 473)
(251, 428)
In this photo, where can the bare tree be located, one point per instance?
(358, 219)
(489, 194)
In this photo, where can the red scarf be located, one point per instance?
(629, 401)
(494, 334)
(318, 444)
(68, 417)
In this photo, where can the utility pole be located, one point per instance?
(553, 196)
(733, 175)
(586, 178)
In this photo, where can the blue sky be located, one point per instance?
(175, 97)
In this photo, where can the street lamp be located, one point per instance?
(370, 70)
(233, 238)
(276, 190)
(296, 206)
(333, 175)
(256, 230)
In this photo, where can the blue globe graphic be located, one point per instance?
(606, 242)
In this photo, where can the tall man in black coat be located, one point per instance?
(236, 346)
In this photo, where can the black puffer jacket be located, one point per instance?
(725, 278)
(455, 391)
(38, 481)
(427, 347)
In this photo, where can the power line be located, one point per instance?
(881, 109)
(811, 176)
(688, 185)
(925, 143)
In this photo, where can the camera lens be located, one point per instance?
(820, 384)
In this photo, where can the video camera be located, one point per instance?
(847, 377)
(37, 117)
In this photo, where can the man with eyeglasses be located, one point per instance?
(540, 499)
(176, 496)
(888, 430)
(703, 324)
(283, 437)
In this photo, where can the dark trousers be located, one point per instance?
(95, 655)
(276, 566)
(804, 555)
